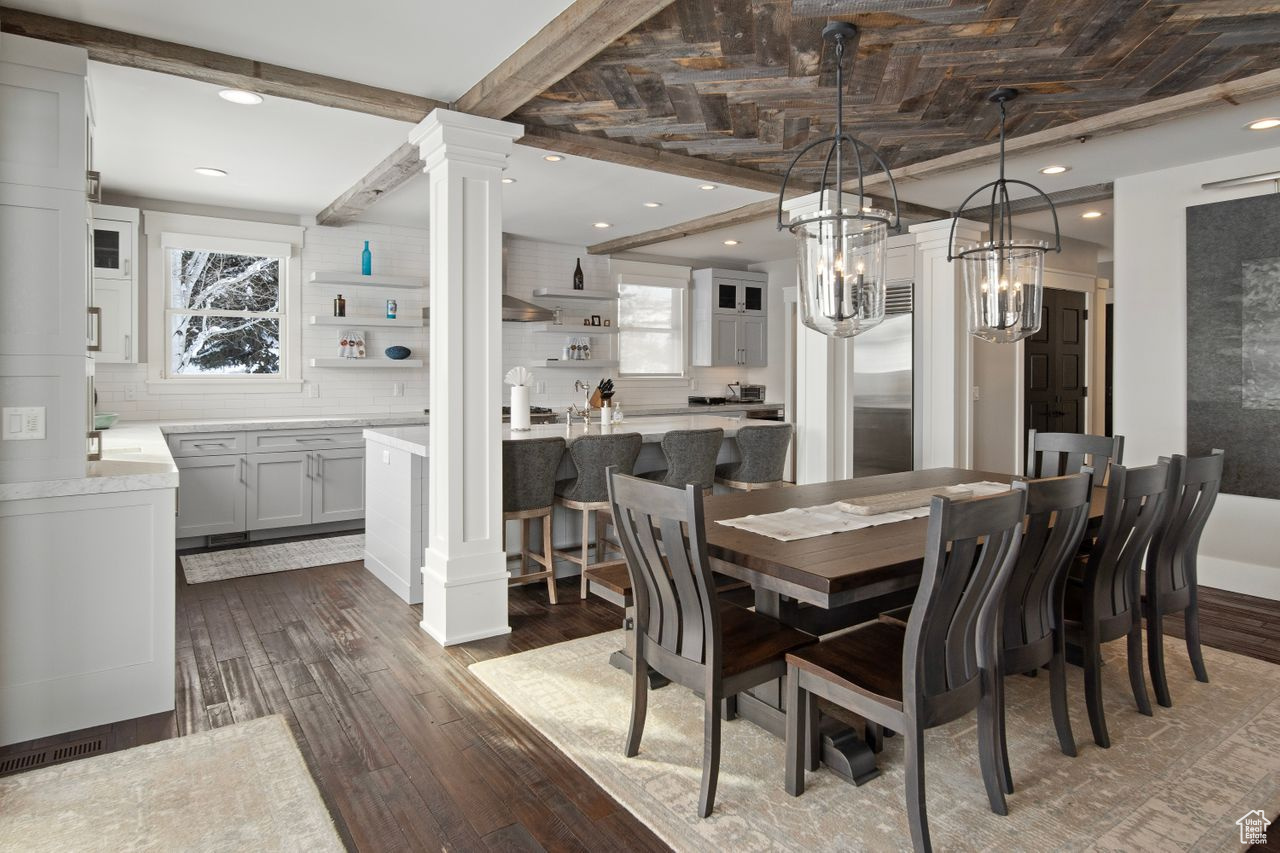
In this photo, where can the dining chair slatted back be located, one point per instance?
(970, 549)
(1104, 604)
(1171, 576)
(675, 595)
(1054, 454)
(1057, 514)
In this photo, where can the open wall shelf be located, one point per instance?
(354, 279)
(592, 295)
(361, 322)
(375, 362)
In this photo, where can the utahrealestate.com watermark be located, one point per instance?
(1253, 827)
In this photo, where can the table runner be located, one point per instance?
(824, 519)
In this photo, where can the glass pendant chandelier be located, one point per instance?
(841, 250)
(1003, 277)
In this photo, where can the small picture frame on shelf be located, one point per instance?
(595, 319)
(606, 322)
(586, 321)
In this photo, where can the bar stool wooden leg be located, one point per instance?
(586, 546)
(550, 557)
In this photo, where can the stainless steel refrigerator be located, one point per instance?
(883, 389)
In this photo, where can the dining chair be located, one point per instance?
(1171, 562)
(682, 630)
(937, 668)
(691, 458)
(529, 492)
(588, 492)
(763, 456)
(1102, 600)
(1053, 454)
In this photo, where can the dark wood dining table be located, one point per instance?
(825, 583)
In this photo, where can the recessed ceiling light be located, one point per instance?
(731, 242)
(1264, 124)
(240, 96)
(508, 180)
(210, 172)
(707, 187)
(1054, 170)
(1091, 214)
(653, 204)
(553, 158)
(603, 225)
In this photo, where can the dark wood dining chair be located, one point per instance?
(1102, 600)
(1054, 454)
(1032, 634)
(681, 628)
(1171, 563)
(938, 667)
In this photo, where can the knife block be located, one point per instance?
(596, 400)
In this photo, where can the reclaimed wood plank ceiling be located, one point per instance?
(747, 82)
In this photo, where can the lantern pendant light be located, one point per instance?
(1003, 277)
(842, 251)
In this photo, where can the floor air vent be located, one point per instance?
(34, 758)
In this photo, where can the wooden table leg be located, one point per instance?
(844, 751)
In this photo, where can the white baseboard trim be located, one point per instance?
(400, 586)
(1245, 578)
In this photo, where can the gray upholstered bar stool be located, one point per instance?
(691, 458)
(588, 492)
(763, 451)
(529, 492)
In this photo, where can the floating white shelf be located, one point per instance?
(593, 295)
(377, 362)
(354, 279)
(571, 329)
(575, 362)
(359, 322)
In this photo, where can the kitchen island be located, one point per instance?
(396, 467)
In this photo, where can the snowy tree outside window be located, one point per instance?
(224, 313)
(650, 330)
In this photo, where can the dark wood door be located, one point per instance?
(1055, 365)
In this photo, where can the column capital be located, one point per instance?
(931, 235)
(448, 135)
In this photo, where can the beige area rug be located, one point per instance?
(265, 559)
(237, 788)
(1175, 781)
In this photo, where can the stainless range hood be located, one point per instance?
(514, 309)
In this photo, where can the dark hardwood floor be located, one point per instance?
(409, 750)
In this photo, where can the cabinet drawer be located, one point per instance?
(206, 443)
(277, 440)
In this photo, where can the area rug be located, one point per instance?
(1175, 781)
(265, 559)
(240, 787)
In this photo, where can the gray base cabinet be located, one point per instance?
(284, 480)
(211, 499)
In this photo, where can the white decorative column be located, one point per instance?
(824, 402)
(946, 366)
(464, 594)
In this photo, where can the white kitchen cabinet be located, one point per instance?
(279, 490)
(337, 486)
(118, 340)
(113, 247)
(43, 114)
(212, 495)
(729, 318)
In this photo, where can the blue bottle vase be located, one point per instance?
(366, 260)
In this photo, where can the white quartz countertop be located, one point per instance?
(414, 439)
(134, 457)
(292, 422)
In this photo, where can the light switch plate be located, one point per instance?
(397, 389)
(22, 423)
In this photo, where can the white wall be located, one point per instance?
(1241, 546)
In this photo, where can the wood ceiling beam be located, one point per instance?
(119, 48)
(1136, 117)
(572, 38)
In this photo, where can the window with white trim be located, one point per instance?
(226, 308)
(651, 329)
